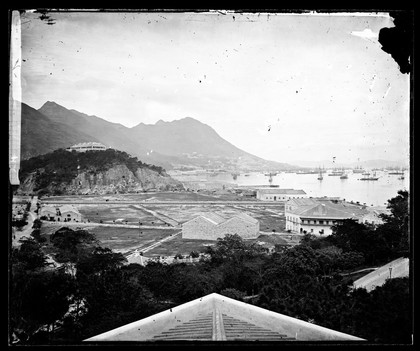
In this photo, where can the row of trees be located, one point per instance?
(95, 290)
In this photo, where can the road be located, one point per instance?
(163, 203)
(27, 229)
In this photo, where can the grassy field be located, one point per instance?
(178, 246)
(124, 239)
(119, 239)
(121, 213)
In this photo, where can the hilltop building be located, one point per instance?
(83, 147)
(219, 318)
(317, 215)
(65, 213)
(276, 194)
(210, 226)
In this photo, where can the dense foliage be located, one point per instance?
(98, 292)
(61, 166)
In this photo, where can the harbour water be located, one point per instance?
(373, 193)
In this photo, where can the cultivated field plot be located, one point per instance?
(177, 245)
(117, 238)
(125, 239)
(118, 213)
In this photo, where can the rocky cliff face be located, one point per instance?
(117, 179)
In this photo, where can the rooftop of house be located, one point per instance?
(219, 318)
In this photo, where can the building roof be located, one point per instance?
(281, 191)
(213, 217)
(325, 208)
(218, 219)
(68, 208)
(48, 209)
(219, 318)
(399, 268)
(90, 143)
(246, 217)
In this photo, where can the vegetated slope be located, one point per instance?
(91, 172)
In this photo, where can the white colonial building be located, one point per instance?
(83, 147)
(276, 194)
(211, 226)
(317, 215)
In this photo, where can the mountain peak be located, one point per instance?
(50, 103)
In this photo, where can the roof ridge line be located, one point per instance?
(218, 327)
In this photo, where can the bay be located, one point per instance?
(372, 193)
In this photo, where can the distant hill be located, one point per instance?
(91, 172)
(184, 142)
(41, 134)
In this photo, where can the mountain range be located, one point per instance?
(181, 143)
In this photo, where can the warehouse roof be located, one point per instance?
(218, 318)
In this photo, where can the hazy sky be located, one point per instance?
(283, 87)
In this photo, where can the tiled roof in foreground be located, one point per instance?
(218, 318)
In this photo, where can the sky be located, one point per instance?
(284, 87)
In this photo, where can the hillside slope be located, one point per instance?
(91, 172)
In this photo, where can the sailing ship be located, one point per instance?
(336, 172)
(344, 175)
(369, 177)
(358, 170)
(320, 177)
(397, 172)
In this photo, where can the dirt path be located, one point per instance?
(152, 246)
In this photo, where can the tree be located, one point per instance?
(395, 229)
(72, 244)
(232, 248)
(98, 261)
(351, 235)
(40, 299)
(382, 316)
(29, 256)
